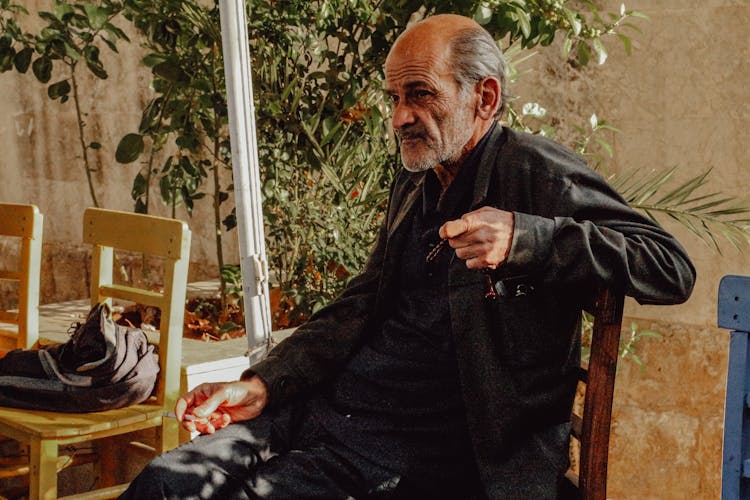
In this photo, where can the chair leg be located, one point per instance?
(169, 435)
(112, 451)
(43, 470)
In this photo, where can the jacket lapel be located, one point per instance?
(487, 165)
(411, 193)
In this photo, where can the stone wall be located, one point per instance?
(680, 100)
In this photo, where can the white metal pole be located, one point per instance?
(246, 170)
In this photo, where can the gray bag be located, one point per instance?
(103, 366)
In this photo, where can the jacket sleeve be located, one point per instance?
(319, 347)
(592, 237)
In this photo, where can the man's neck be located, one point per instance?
(446, 173)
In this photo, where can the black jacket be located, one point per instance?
(517, 354)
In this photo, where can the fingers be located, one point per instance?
(213, 423)
(454, 228)
(482, 238)
(209, 406)
(180, 407)
(196, 400)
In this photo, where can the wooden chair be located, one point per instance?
(24, 222)
(591, 429)
(734, 315)
(46, 432)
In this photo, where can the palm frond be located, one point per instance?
(711, 216)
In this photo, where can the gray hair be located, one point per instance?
(475, 56)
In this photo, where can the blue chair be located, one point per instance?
(734, 314)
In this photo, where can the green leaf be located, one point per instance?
(170, 72)
(637, 14)
(575, 23)
(567, 45)
(626, 42)
(48, 16)
(130, 148)
(97, 16)
(583, 55)
(187, 200)
(483, 14)
(59, 89)
(229, 327)
(116, 32)
(601, 50)
(524, 22)
(165, 189)
(7, 54)
(22, 59)
(91, 53)
(140, 186)
(140, 206)
(230, 221)
(109, 43)
(650, 334)
(330, 174)
(152, 60)
(42, 69)
(605, 145)
(62, 9)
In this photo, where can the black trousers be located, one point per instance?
(285, 454)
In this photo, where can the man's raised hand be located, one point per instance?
(482, 238)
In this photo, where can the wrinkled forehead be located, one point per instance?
(420, 55)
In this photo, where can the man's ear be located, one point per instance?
(489, 97)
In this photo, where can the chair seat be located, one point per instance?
(25, 425)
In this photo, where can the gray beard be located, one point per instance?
(419, 166)
(428, 163)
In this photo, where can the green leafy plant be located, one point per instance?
(73, 34)
(183, 40)
(628, 343)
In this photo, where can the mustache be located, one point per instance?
(409, 133)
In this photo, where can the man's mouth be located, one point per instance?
(407, 138)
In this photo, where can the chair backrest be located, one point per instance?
(591, 429)
(734, 314)
(169, 239)
(24, 222)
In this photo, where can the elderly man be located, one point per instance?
(447, 368)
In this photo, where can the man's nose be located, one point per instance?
(403, 116)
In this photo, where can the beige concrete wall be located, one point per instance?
(680, 99)
(40, 163)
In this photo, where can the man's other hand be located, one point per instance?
(482, 238)
(211, 406)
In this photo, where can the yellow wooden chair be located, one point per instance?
(24, 222)
(45, 432)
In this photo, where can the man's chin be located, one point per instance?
(417, 162)
(417, 166)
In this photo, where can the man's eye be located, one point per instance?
(394, 98)
(421, 94)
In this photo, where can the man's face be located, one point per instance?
(433, 119)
